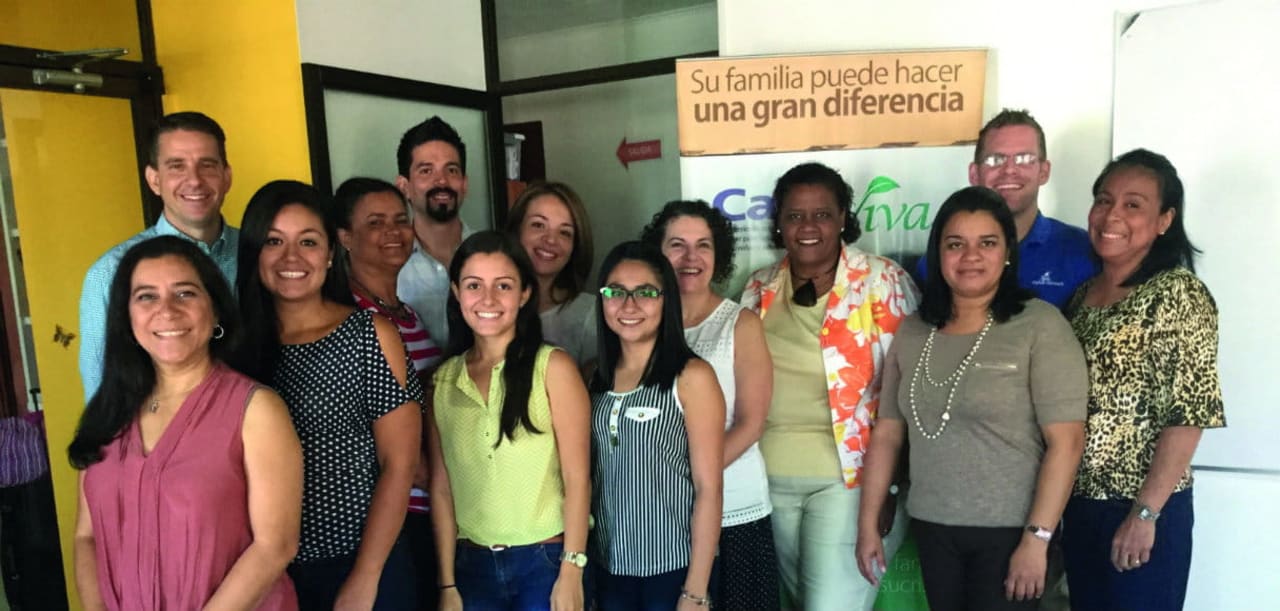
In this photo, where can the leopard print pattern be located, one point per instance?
(1153, 363)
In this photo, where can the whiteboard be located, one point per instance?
(1200, 84)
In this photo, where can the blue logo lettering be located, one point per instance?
(758, 207)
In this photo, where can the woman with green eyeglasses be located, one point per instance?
(830, 312)
(657, 442)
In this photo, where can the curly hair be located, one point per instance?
(722, 231)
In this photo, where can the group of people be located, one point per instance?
(358, 402)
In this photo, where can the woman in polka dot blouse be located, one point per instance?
(343, 372)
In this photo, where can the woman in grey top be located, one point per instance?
(550, 222)
(989, 387)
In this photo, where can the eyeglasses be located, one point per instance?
(638, 294)
(996, 160)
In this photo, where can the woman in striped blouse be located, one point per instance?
(657, 431)
(377, 239)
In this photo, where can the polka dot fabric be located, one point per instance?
(336, 387)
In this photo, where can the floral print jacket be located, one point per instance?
(871, 297)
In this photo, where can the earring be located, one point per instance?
(218, 332)
(1007, 263)
(330, 263)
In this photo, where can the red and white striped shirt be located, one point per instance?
(424, 352)
(425, 355)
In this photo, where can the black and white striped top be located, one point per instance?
(641, 483)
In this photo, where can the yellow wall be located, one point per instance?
(73, 202)
(238, 62)
(66, 25)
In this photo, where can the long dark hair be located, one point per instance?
(670, 352)
(1173, 248)
(260, 350)
(573, 278)
(131, 376)
(1010, 299)
(522, 352)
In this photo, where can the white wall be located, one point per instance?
(436, 41)
(1053, 58)
(583, 126)
(623, 41)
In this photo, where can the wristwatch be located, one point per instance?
(1145, 513)
(578, 559)
(1040, 533)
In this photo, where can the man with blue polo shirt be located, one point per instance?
(1053, 257)
(188, 169)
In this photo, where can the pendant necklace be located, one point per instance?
(926, 355)
(806, 295)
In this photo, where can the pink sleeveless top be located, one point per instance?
(169, 525)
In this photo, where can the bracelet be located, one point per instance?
(701, 601)
(452, 585)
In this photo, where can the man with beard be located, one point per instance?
(432, 162)
(1053, 257)
(188, 169)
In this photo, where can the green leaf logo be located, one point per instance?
(879, 184)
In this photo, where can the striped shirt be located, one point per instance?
(425, 355)
(424, 352)
(641, 482)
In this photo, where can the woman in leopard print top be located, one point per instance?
(1149, 329)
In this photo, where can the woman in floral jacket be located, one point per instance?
(830, 312)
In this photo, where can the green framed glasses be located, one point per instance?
(639, 294)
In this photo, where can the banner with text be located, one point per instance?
(898, 127)
(738, 105)
(896, 193)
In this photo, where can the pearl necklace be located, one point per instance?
(953, 380)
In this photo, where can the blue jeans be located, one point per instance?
(518, 578)
(658, 592)
(318, 582)
(1094, 584)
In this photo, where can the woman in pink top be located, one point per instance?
(192, 486)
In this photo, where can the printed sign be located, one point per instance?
(829, 102)
(896, 194)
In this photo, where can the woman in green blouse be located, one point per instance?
(1149, 329)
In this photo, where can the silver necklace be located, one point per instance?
(953, 379)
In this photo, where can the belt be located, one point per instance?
(498, 547)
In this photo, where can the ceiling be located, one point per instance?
(520, 17)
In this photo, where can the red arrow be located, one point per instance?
(638, 151)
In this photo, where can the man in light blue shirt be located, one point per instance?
(188, 169)
(1053, 257)
(432, 165)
